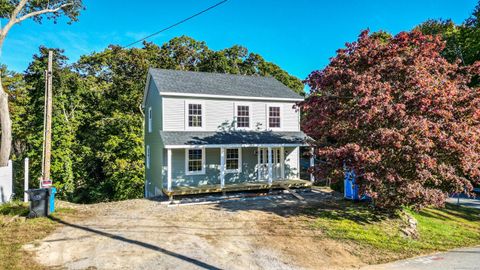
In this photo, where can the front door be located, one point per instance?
(263, 163)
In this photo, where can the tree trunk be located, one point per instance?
(6, 125)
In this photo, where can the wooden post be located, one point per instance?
(48, 129)
(270, 169)
(282, 162)
(169, 169)
(259, 169)
(312, 163)
(25, 182)
(222, 167)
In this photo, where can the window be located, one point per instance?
(243, 116)
(274, 117)
(148, 157)
(195, 115)
(233, 159)
(149, 119)
(195, 161)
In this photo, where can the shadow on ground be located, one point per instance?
(138, 243)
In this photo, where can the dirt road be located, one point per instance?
(144, 234)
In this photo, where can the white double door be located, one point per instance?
(263, 163)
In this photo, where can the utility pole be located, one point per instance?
(47, 142)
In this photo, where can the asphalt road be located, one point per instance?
(474, 203)
(457, 259)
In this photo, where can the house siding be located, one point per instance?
(220, 111)
(153, 175)
(212, 170)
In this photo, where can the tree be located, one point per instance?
(16, 11)
(462, 41)
(400, 115)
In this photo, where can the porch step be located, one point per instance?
(295, 194)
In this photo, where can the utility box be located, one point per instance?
(51, 199)
(351, 190)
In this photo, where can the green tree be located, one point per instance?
(462, 41)
(15, 12)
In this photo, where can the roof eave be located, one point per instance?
(175, 94)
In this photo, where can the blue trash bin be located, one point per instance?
(51, 201)
(351, 191)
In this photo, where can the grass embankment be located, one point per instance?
(16, 230)
(377, 238)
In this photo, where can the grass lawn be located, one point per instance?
(16, 230)
(376, 238)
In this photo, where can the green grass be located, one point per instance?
(377, 237)
(16, 230)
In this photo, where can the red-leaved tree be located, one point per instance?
(402, 117)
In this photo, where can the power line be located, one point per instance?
(177, 23)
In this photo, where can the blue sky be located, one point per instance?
(298, 35)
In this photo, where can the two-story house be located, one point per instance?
(211, 132)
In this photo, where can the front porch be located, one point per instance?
(210, 162)
(245, 186)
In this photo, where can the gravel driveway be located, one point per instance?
(144, 234)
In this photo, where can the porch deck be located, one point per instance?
(186, 190)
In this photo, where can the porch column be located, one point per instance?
(222, 167)
(169, 169)
(312, 163)
(282, 162)
(258, 163)
(270, 169)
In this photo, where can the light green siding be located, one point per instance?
(219, 111)
(212, 170)
(153, 175)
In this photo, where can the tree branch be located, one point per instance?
(40, 12)
(12, 21)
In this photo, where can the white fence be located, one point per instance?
(6, 183)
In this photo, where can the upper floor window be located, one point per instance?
(195, 161)
(147, 161)
(195, 115)
(243, 116)
(274, 119)
(149, 119)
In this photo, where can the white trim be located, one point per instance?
(258, 164)
(202, 103)
(231, 145)
(228, 97)
(147, 156)
(299, 112)
(280, 106)
(147, 88)
(282, 162)
(270, 167)
(239, 169)
(298, 162)
(222, 167)
(235, 111)
(169, 169)
(187, 172)
(163, 114)
(150, 122)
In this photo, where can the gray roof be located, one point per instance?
(234, 137)
(189, 82)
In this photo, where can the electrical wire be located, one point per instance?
(177, 23)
